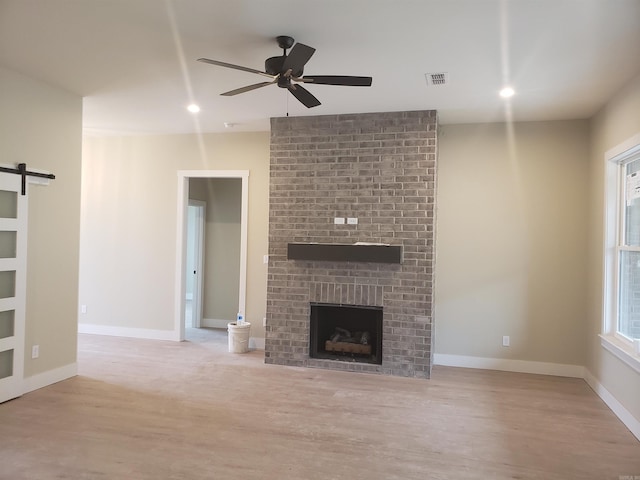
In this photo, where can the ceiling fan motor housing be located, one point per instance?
(274, 65)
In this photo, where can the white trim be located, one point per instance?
(145, 333)
(508, 365)
(543, 368)
(609, 286)
(244, 218)
(215, 323)
(256, 343)
(181, 255)
(623, 147)
(183, 201)
(621, 350)
(198, 287)
(632, 423)
(213, 173)
(49, 377)
(613, 189)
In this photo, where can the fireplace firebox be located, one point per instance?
(346, 332)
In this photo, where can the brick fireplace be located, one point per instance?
(376, 169)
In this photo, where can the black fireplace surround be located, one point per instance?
(351, 333)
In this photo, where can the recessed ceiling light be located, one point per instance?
(193, 108)
(507, 92)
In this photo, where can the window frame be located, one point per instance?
(616, 160)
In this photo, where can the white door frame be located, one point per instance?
(198, 284)
(12, 386)
(181, 239)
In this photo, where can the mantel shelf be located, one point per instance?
(335, 252)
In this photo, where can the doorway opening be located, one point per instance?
(194, 263)
(222, 275)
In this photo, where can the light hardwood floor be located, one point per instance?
(163, 410)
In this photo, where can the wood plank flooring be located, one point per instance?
(163, 410)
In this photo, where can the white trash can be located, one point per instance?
(238, 337)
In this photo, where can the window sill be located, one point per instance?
(622, 350)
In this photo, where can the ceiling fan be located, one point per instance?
(287, 72)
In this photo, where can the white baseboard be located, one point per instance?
(542, 368)
(521, 366)
(256, 343)
(214, 323)
(631, 422)
(50, 377)
(146, 333)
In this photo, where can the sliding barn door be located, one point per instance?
(13, 263)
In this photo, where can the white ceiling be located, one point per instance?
(134, 61)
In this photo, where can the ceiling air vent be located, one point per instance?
(437, 78)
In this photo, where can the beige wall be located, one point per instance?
(511, 241)
(129, 223)
(618, 121)
(42, 127)
(519, 248)
(519, 236)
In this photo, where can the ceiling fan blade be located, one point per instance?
(297, 58)
(236, 67)
(336, 80)
(248, 88)
(304, 96)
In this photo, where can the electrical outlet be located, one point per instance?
(505, 341)
(35, 351)
(264, 322)
(83, 308)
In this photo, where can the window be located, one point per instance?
(628, 249)
(621, 329)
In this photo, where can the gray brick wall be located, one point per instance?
(381, 169)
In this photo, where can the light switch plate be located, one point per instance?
(338, 221)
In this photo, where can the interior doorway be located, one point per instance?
(194, 263)
(182, 262)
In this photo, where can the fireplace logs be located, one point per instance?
(345, 342)
(347, 333)
(346, 347)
